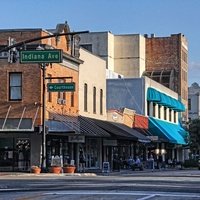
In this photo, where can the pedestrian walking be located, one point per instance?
(151, 162)
(82, 161)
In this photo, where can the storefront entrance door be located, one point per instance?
(93, 150)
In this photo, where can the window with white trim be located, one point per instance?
(15, 86)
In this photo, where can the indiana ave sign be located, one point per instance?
(41, 56)
(61, 87)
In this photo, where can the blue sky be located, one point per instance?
(161, 17)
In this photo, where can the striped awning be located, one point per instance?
(160, 98)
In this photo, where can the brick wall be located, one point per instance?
(162, 53)
(32, 80)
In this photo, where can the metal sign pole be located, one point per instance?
(43, 164)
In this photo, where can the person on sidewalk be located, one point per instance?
(151, 162)
(82, 161)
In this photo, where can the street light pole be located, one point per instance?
(43, 164)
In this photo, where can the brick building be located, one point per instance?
(163, 59)
(167, 63)
(21, 95)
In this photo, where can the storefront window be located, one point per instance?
(57, 147)
(14, 154)
(93, 153)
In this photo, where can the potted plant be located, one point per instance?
(35, 169)
(67, 168)
(55, 169)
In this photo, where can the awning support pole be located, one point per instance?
(36, 113)
(21, 118)
(6, 117)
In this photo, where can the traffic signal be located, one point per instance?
(12, 53)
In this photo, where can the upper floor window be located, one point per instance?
(15, 86)
(159, 111)
(148, 107)
(175, 116)
(170, 115)
(72, 99)
(49, 93)
(94, 99)
(154, 109)
(184, 56)
(189, 104)
(85, 97)
(61, 95)
(87, 47)
(101, 102)
(165, 113)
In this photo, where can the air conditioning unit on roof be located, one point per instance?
(59, 101)
(63, 101)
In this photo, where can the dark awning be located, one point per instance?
(90, 128)
(77, 124)
(121, 131)
(134, 132)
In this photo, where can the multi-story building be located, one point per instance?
(21, 98)
(167, 63)
(27, 103)
(163, 59)
(92, 86)
(157, 102)
(194, 101)
(124, 54)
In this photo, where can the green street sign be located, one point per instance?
(41, 56)
(61, 87)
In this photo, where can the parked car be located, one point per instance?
(199, 163)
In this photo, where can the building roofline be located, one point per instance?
(20, 30)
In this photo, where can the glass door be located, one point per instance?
(93, 153)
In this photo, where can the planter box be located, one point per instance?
(55, 169)
(36, 170)
(70, 169)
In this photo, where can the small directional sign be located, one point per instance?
(61, 87)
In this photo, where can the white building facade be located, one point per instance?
(160, 105)
(194, 101)
(124, 54)
(92, 86)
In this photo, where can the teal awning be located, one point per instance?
(160, 98)
(174, 133)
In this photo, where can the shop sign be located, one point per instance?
(106, 167)
(110, 142)
(76, 138)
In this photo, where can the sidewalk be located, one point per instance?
(123, 172)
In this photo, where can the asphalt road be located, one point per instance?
(160, 185)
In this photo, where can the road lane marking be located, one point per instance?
(147, 197)
(126, 193)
